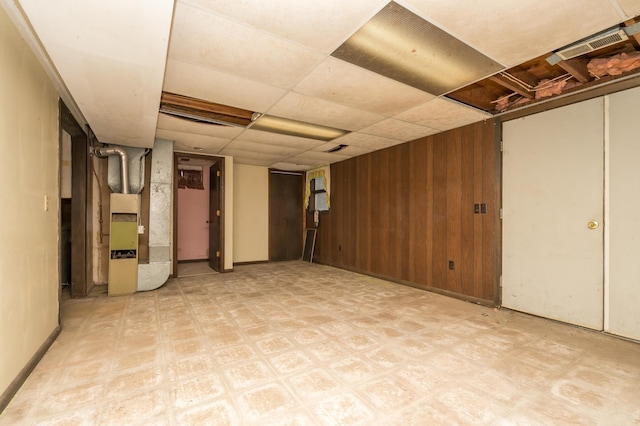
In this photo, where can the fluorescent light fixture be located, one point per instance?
(400, 45)
(285, 126)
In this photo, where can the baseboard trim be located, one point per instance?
(254, 262)
(463, 297)
(15, 385)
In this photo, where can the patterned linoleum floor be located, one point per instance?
(302, 344)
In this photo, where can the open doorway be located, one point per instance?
(76, 267)
(198, 215)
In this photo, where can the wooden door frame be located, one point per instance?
(212, 159)
(302, 210)
(81, 196)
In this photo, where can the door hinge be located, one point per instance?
(500, 281)
(501, 215)
(218, 254)
(218, 213)
(501, 146)
(218, 173)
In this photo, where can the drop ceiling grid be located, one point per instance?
(263, 148)
(167, 122)
(338, 81)
(631, 8)
(220, 87)
(286, 141)
(215, 42)
(401, 130)
(523, 30)
(210, 144)
(366, 141)
(442, 115)
(317, 111)
(321, 25)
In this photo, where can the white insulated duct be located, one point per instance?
(154, 274)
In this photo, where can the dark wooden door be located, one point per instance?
(285, 215)
(215, 215)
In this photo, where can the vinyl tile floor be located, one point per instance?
(294, 343)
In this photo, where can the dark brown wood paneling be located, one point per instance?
(404, 212)
(440, 252)
(285, 216)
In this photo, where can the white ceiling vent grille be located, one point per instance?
(597, 42)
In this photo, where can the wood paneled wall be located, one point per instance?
(405, 212)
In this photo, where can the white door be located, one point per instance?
(623, 307)
(552, 191)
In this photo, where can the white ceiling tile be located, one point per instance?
(253, 161)
(630, 7)
(209, 143)
(219, 87)
(292, 167)
(443, 115)
(168, 122)
(263, 148)
(251, 154)
(323, 25)
(396, 129)
(317, 158)
(111, 60)
(318, 111)
(516, 32)
(348, 151)
(354, 151)
(206, 39)
(363, 140)
(268, 138)
(347, 84)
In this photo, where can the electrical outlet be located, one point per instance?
(451, 264)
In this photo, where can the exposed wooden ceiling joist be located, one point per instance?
(504, 82)
(577, 67)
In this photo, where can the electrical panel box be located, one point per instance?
(123, 244)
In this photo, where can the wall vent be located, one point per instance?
(594, 43)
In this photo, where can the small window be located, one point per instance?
(318, 196)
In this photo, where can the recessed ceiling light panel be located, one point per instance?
(399, 44)
(285, 126)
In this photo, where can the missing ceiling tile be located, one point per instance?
(399, 44)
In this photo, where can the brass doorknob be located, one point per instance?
(593, 224)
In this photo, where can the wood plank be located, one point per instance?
(400, 212)
(404, 219)
(479, 219)
(577, 67)
(511, 86)
(172, 99)
(467, 215)
(429, 209)
(453, 209)
(439, 252)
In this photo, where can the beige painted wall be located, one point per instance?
(251, 213)
(28, 182)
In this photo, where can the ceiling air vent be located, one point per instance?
(594, 43)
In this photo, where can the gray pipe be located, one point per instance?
(124, 163)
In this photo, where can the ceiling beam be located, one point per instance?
(504, 82)
(577, 67)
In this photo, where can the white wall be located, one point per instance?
(29, 178)
(251, 213)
